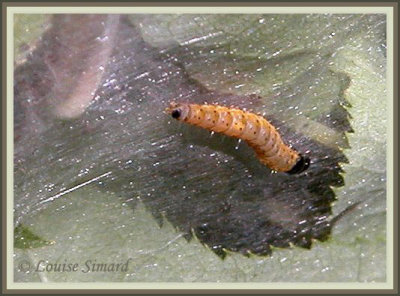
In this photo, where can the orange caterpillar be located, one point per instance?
(254, 129)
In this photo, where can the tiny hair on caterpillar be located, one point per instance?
(254, 129)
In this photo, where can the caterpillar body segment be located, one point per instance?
(252, 128)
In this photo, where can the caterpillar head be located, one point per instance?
(302, 164)
(178, 111)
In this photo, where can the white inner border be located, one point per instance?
(198, 10)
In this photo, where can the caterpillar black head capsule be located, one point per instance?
(301, 165)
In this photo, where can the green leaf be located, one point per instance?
(28, 29)
(24, 238)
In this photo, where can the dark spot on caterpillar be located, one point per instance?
(301, 165)
(176, 113)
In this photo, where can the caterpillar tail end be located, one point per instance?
(170, 108)
(301, 165)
